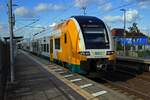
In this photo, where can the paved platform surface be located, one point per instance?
(80, 83)
(135, 59)
(32, 82)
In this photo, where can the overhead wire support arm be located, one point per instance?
(84, 10)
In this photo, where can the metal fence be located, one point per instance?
(134, 47)
(4, 67)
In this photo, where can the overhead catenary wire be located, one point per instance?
(69, 7)
(26, 25)
(103, 4)
(66, 10)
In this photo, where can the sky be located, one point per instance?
(32, 16)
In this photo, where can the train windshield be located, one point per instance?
(95, 37)
(94, 33)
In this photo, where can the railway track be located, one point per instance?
(130, 84)
(145, 76)
(127, 90)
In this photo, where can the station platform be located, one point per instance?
(32, 82)
(137, 63)
(135, 59)
(38, 79)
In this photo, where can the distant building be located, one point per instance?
(118, 32)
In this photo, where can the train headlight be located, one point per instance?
(85, 53)
(110, 52)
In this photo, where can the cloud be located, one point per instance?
(131, 15)
(140, 3)
(112, 18)
(1, 6)
(53, 24)
(143, 3)
(1, 28)
(82, 3)
(107, 6)
(101, 4)
(85, 3)
(128, 0)
(24, 12)
(43, 7)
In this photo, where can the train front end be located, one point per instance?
(96, 44)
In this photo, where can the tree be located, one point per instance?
(134, 28)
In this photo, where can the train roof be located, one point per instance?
(82, 20)
(87, 18)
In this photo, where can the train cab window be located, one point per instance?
(57, 43)
(94, 33)
(65, 38)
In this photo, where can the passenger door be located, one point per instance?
(51, 49)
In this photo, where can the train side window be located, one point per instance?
(65, 38)
(57, 43)
(44, 47)
(37, 46)
(41, 47)
(47, 48)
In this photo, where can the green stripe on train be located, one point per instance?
(73, 67)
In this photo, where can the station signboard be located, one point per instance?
(133, 41)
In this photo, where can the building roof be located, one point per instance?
(118, 32)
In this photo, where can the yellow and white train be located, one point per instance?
(83, 44)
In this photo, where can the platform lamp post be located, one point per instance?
(11, 40)
(124, 33)
(11, 19)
